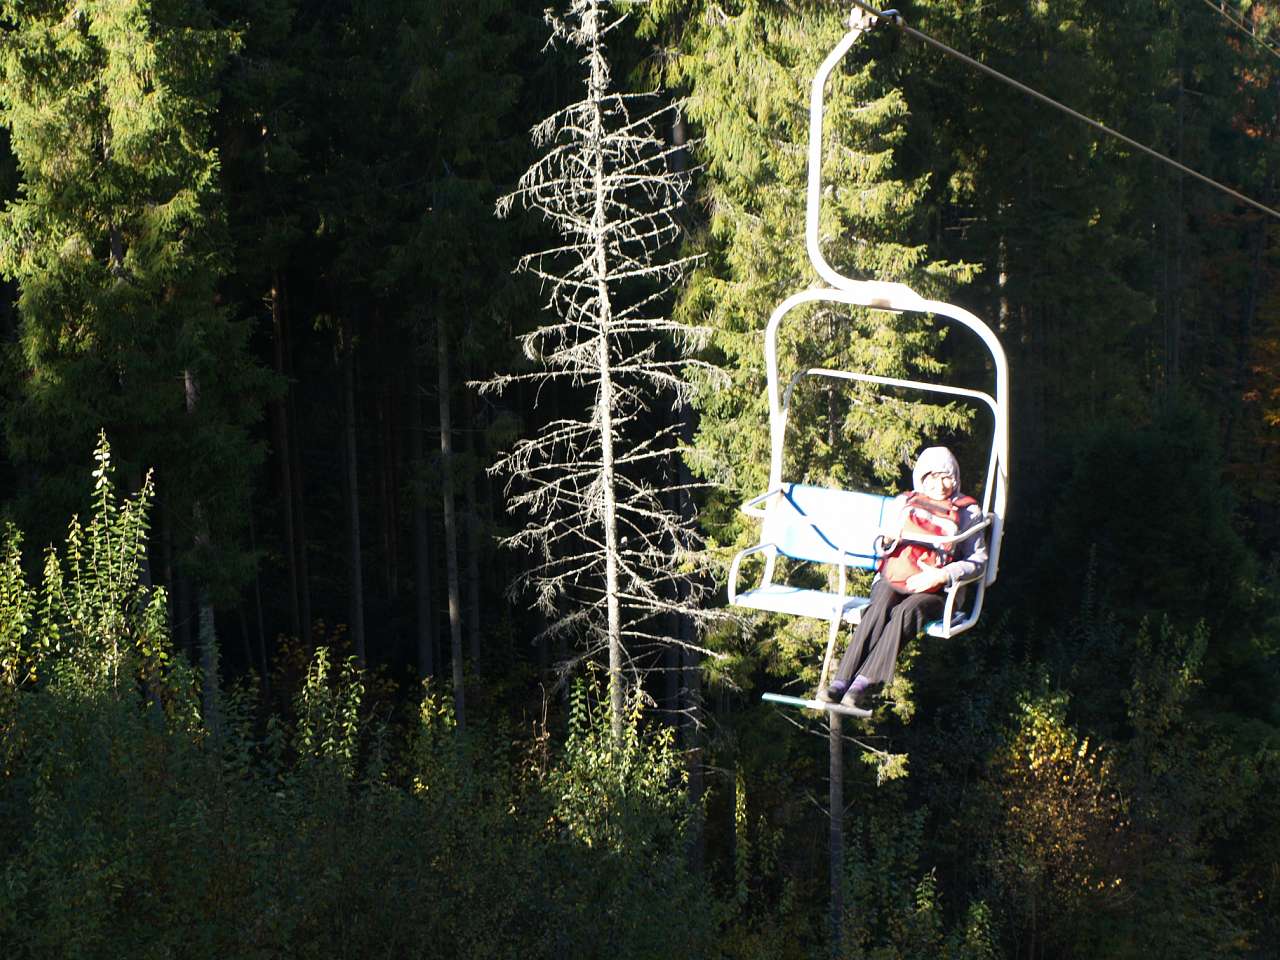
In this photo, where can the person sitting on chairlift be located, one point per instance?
(909, 591)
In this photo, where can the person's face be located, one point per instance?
(938, 486)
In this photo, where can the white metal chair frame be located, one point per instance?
(889, 297)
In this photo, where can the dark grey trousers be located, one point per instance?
(890, 620)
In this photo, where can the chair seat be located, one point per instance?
(801, 602)
(816, 604)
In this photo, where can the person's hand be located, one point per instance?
(926, 579)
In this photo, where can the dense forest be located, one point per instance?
(382, 380)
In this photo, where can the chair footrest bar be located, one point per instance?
(815, 705)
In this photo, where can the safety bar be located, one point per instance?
(936, 541)
(985, 398)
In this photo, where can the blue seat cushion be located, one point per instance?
(822, 525)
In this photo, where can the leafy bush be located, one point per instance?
(131, 829)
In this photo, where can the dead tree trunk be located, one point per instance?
(263, 665)
(389, 406)
(691, 738)
(300, 512)
(604, 397)
(584, 479)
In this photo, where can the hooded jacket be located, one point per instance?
(970, 555)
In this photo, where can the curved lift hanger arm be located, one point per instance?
(942, 388)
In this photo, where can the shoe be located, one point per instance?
(835, 690)
(858, 695)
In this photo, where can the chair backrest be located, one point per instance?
(825, 526)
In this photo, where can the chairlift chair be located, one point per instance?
(828, 527)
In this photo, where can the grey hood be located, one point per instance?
(935, 460)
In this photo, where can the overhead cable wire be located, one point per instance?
(895, 18)
(1243, 27)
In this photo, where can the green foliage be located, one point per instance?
(623, 794)
(122, 830)
(1186, 562)
(619, 821)
(115, 245)
(1066, 821)
(328, 712)
(17, 604)
(1187, 565)
(1116, 721)
(1193, 788)
(895, 912)
(321, 834)
(747, 68)
(93, 622)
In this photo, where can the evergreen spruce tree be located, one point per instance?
(263, 152)
(115, 242)
(399, 189)
(1051, 209)
(1172, 266)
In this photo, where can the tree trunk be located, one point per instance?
(182, 615)
(297, 489)
(389, 479)
(1173, 308)
(672, 673)
(690, 660)
(280, 430)
(246, 644)
(835, 802)
(300, 525)
(691, 738)
(604, 364)
(421, 535)
(209, 665)
(473, 532)
(353, 494)
(450, 525)
(178, 626)
(1243, 337)
(609, 510)
(547, 654)
(263, 665)
(207, 635)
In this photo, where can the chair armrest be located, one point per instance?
(737, 562)
(949, 609)
(750, 508)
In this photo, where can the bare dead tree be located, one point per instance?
(609, 559)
